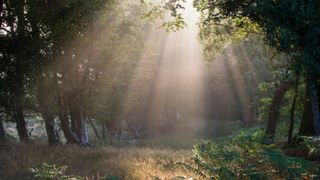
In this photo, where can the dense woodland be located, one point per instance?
(80, 76)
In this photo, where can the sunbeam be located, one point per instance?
(159, 89)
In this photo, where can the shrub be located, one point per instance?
(46, 171)
(244, 157)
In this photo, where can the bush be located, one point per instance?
(46, 171)
(244, 157)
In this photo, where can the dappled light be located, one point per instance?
(168, 89)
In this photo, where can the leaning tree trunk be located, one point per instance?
(310, 124)
(52, 135)
(64, 120)
(47, 115)
(48, 118)
(273, 116)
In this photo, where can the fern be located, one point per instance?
(46, 171)
(243, 156)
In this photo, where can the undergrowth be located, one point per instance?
(106, 161)
(243, 156)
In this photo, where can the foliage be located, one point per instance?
(46, 171)
(243, 156)
(311, 143)
(77, 54)
(159, 11)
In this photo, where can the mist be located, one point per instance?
(169, 89)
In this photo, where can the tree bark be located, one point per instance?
(312, 81)
(78, 124)
(64, 120)
(310, 124)
(293, 108)
(306, 126)
(48, 118)
(274, 108)
(2, 131)
(18, 89)
(20, 120)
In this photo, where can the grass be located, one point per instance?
(124, 162)
(156, 157)
(145, 159)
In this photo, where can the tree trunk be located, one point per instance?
(21, 123)
(274, 108)
(48, 118)
(94, 127)
(78, 124)
(310, 124)
(18, 89)
(64, 120)
(306, 126)
(103, 129)
(2, 131)
(293, 108)
(312, 81)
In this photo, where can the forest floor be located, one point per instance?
(149, 158)
(130, 162)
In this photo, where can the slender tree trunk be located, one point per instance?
(312, 81)
(65, 126)
(103, 129)
(18, 90)
(47, 115)
(2, 131)
(94, 127)
(48, 118)
(64, 120)
(78, 127)
(310, 124)
(306, 126)
(20, 120)
(274, 113)
(293, 108)
(84, 131)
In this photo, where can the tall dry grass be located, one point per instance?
(125, 162)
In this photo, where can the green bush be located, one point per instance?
(243, 156)
(46, 171)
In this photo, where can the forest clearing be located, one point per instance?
(159, 89)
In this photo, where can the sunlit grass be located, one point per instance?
(126, 163)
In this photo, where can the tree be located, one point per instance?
(78, 59)
(31, 41)
(291, 27)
